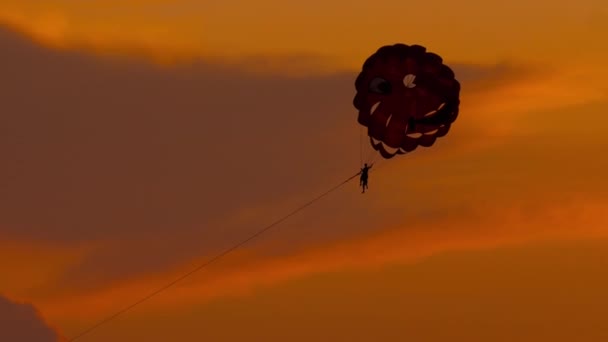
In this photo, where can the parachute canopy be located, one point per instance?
(406, 97)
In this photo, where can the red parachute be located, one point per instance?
(406, 97)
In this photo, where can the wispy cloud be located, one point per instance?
(481, 227)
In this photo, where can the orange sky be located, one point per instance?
(120, 174)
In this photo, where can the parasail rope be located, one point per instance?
(212, 260)
(360, 145)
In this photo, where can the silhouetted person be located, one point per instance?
(364, 174)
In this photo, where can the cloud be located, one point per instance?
(154, 30)
(29, 267)
(245, 271)
(150, 166)
(22, 322)
(100, 148)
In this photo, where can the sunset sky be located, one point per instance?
(139, 138)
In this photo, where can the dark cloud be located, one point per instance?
(92, 147)
(22, 322)
(131, 153)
